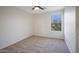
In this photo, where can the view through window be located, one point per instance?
(56, 22)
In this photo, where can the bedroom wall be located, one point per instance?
(15, 25)
(42, 25)
(70, 28)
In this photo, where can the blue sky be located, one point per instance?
(56, 17)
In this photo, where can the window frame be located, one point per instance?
(62, 20)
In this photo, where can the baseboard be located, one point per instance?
(15, 42)
(48, 37)
(27, 38)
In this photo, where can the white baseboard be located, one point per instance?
(11, 43)
(49, 36)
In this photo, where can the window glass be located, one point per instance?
(56, 22)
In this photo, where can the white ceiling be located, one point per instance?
(47, 9)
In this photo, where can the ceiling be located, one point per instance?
(47, 9)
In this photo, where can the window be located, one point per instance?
(56, 22)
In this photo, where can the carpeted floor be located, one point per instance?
(37, 44)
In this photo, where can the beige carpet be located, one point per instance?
(37, 44)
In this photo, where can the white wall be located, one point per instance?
(70, 28)
(15, 25)
(42, 25)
